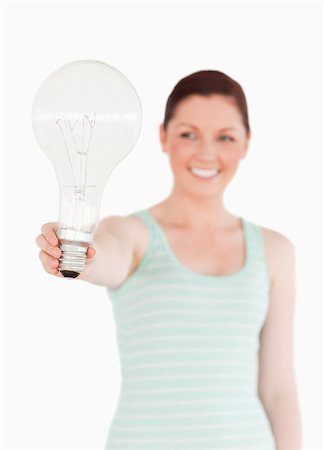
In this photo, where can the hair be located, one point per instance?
(206, 83)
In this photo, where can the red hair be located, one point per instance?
(206, 83)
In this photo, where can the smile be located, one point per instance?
(204, 173)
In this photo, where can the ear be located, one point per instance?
(246, 146)
(162, 137)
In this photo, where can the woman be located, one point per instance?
(203, 299)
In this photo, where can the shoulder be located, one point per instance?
(279, 250)
(276, 238)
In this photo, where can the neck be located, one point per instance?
(197, 212)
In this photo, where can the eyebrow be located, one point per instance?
(193, 126)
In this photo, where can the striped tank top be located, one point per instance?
(188, 344)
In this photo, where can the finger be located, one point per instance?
(55, 272)
(43, 244)
(48, 230)
(50, 264)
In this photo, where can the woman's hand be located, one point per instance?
(50, 252)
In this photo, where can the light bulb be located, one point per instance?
(86, 117)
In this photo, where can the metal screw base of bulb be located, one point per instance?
(73, 258)
(69, 273)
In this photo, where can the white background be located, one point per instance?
(61, 374)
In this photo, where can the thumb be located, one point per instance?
(90, 252)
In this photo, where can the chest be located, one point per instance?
(209, 254)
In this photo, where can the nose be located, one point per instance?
(207, 151)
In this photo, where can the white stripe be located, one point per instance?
(225, 326)
(257, 284)
(193, 312)
(191, 338)
(183, 415)
(237, 377)
(190, 389)
(189, 427)
(171, 364)
(180, 351)
(158, 265)
(194, 301)
(139, 288)
(186, 402)
(189, 440)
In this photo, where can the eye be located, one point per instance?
(229, 137)
(191, 136)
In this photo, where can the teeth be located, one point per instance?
(203, 172)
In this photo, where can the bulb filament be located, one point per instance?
(77, 139)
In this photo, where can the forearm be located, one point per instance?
(286, 422)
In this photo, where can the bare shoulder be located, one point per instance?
(279, 249)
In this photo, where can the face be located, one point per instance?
(206, 133)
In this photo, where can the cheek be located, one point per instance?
(178, 145)
(179, 158)
(233, 158)
(181, 149)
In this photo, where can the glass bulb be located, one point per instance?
(86, 117)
